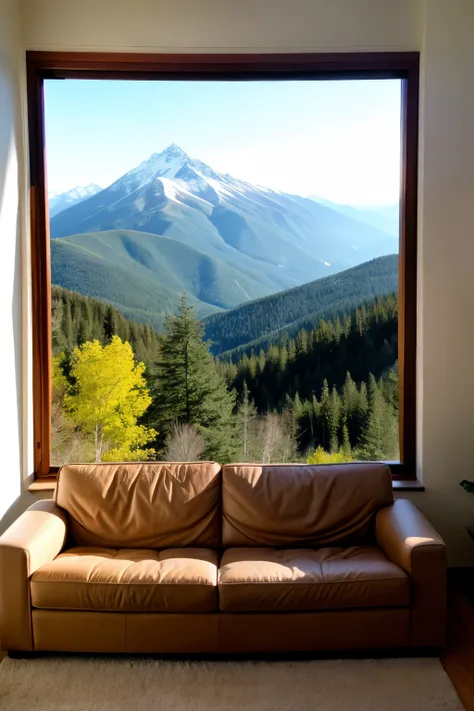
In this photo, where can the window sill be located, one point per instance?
(407, 485)
(397, 485)
(42, 485)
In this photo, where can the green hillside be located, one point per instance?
(144, 275)
(260, 322)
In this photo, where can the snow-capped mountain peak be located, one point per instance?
(164, 164)
(173, 150)
(172, 164)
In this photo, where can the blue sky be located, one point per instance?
(336, 139)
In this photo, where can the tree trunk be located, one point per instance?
(98, 443)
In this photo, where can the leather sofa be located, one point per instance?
(192, 558)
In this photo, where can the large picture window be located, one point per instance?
(224, 258)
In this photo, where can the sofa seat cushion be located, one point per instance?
(269, 579)
(128, 580)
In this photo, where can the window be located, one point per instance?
(227, 268)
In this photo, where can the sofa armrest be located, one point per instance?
(35, 538)
(410, 541)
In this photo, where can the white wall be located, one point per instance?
(441, 30)
(446, 283)
(221, 25)
(12, 184)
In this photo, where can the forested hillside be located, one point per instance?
(329, 393)
(263, 321)
(316, 374)
(76, 319)
(144, 275)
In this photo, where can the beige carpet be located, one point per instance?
(114, 684)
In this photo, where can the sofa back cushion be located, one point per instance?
(299, 505)
(142, 505)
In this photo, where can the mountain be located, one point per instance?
(279, 240)
(61, 201)
(258, 323)
(385, 219)
(144, 275)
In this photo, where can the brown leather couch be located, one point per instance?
(189, 558)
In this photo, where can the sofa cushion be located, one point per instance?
(265, 579)
(175, 580)
(142, 505)
(299, 505)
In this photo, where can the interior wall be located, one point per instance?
(11, 230)
(441, 30)
(221, 25)
(446, 285)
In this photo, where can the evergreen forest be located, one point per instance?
(327, 392)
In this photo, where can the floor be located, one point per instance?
(458, 657)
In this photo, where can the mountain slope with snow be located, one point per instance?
(286, 240)
(61, 201)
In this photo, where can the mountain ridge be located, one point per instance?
(258, 323)
(60, 201)
(289, 238)
(385, 218)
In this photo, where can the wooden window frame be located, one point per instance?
(228, 67)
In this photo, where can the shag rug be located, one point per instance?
(146, 684)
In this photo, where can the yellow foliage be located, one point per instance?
(108, 397)
(320, 456)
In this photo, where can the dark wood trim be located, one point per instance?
(57, 65)
(407, 289)
(40, 276)
(223, 67)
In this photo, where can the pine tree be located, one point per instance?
(302, 342)
(350, 404)
(360, 419)
(346, 449)
(380, 436)
(291, 419)
(187, 388)
(389, 387)
(110, 324)
(333, 420)
(283, 359)
(324, 407)
(314, 418)
(246, 421)
(57, 317)
(82, 333)
(85, 315)
(67, 327)
(349, 396)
